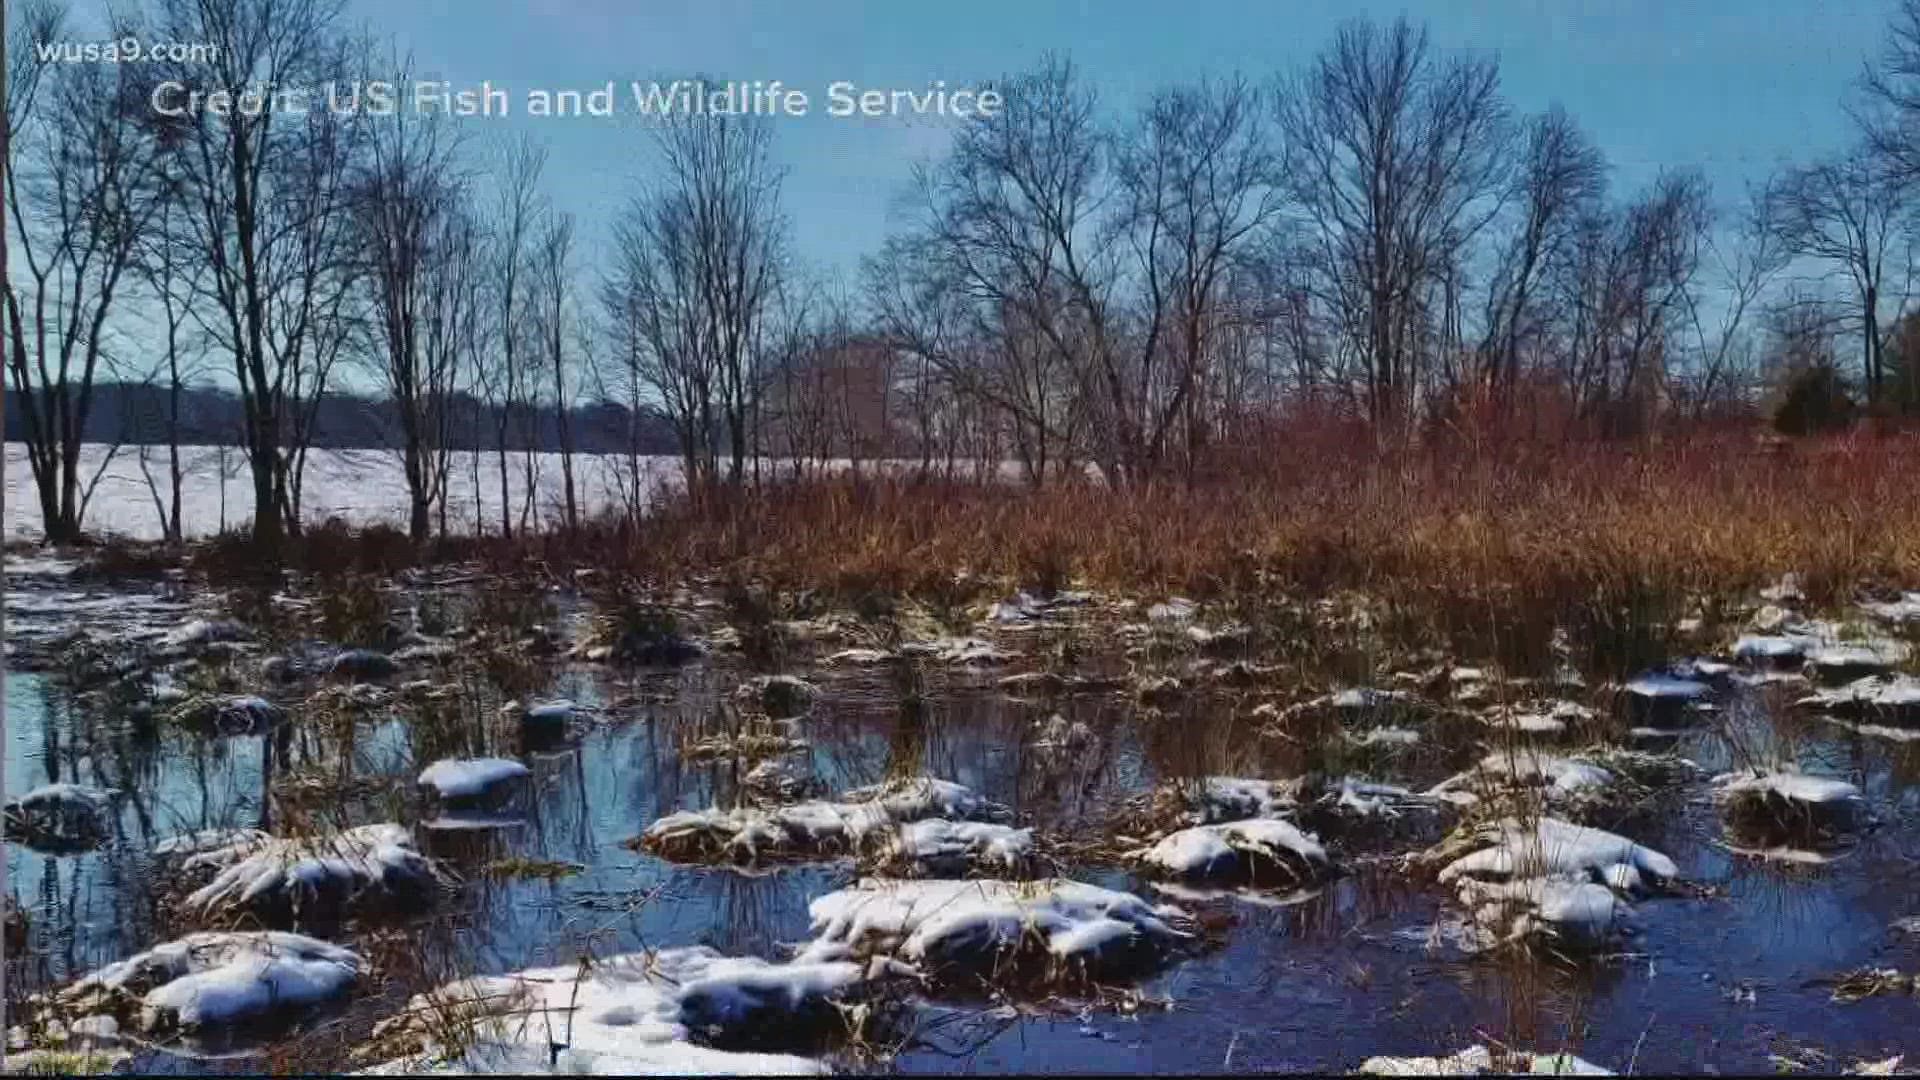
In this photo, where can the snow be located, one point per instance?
(203, 632)
(779, 778)
(470, 778)
(1384, 736)
(1476, 1060)
(1865, 658)
(1906, 609)
(291, 876)
(245, 714)
(1242, 849)
(360, 486)
(813, 828)
(1794, 787)
(858, 657)
(1367, 698)
(1556, 848)
(37, 565)
(1660, 687)
(1175, 609)
(1551, 720)
(1579, 914)
(1565, 780)
(224, 978)
(362, 664)
(201, 841)
(59, 815)
(1366, 799)
(962, 652)
(936, 847)
(641, 1014)
(975, 925)
(1224, 798)
(1026, 608)
(1895, 693)
(548, 714)
(1769, 647)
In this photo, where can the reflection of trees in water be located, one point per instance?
(746, 914)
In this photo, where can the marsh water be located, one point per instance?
(1721, 978)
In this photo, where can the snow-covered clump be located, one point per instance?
(301, 880)
(1771, 648)
(427, 651)
(780, 779)
(813, 829)
(857, 658)
(546, 723)
(1778, 807)
(59, 817)
(1368, 699)
(1545, 721)
(1218, 798)
(198, 633)
(1904, 610)
(1565, 782)
(779, 696)
(362, 665)
(471, 782)
(246, 714)
(1175, 609)
(916, 797)
(1047, 930)
(1662, 695)
(1478, 1060)
(1552, 848)
(1025, 608)
(1838, 665)
(1366, 800)
(1557, 911)
(936, 847)
(667, 1013)
(218, 978)
(180, 847)
(1894, 697)
(959, 652)
(1259, 851)
(744, 745)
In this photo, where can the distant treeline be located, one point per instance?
(133, 413)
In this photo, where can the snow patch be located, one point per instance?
(220, 978)
(1053, 929)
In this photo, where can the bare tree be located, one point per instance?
(1746, 262)
(172, 274)
(1625, 288)
(553, 260)
(265, 189)
(416, 247)
(1196, 178)
(502, 377)
(81, 188)
(1848, 215)
(697, 265)
(1397, 164)
(1008, 285)
(1561, 178)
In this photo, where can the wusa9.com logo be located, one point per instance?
(127, 50)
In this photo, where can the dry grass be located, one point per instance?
(1609, 540)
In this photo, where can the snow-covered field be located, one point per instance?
(361, 486)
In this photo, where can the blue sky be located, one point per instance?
(1733, 87)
